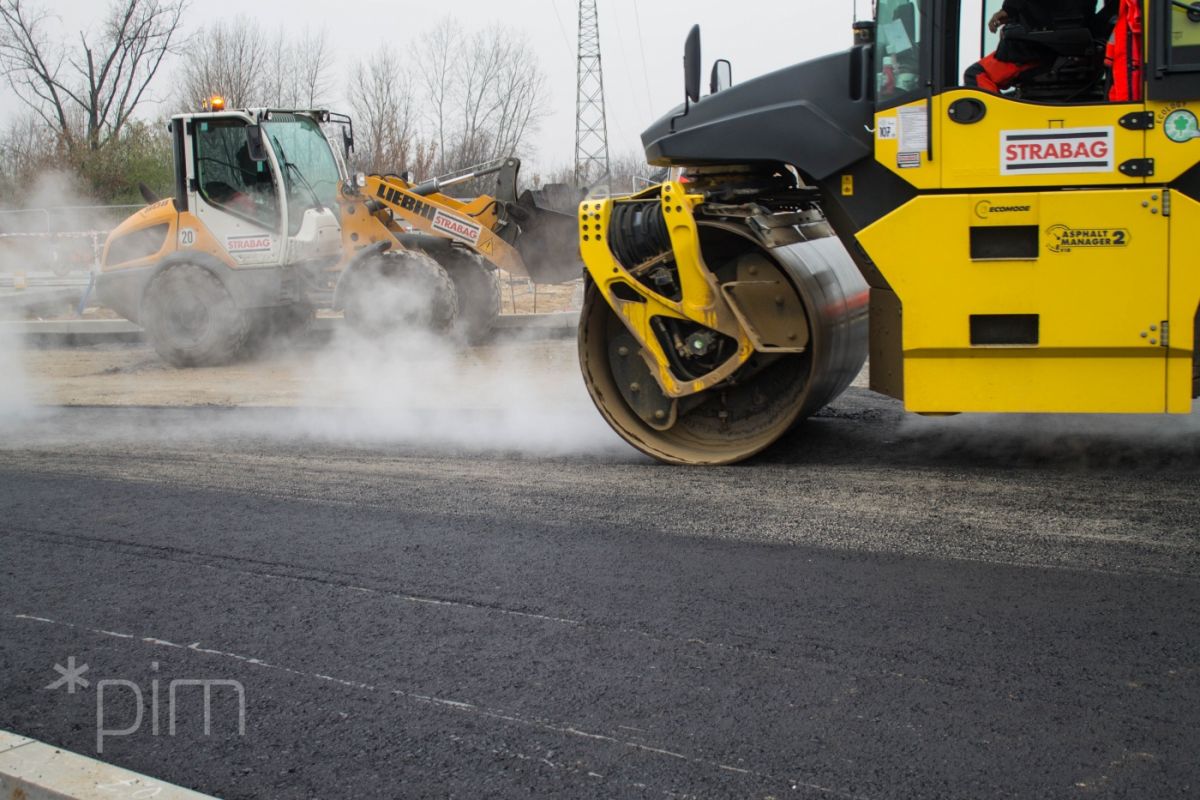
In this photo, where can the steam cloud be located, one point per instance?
(15, 401)
(415, 387)
(411, 388)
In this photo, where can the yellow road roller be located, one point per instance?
(991, 203)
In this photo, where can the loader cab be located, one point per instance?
(259, 184)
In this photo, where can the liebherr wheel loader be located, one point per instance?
(1029, 251)
(265, 225)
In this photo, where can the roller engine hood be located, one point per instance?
(804, 115)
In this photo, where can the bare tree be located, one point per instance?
(436, 70)
(103, 78)
(521, 104)
(312, 61)
(238, 61)
(477, 97)
(485, 95)
(297, 73)
(381, 98)
(25, 151)
(229, 59)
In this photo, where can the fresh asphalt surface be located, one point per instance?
(882, 607)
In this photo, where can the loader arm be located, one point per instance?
(476, 224)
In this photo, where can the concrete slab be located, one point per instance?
(31, 770)
(8, 741)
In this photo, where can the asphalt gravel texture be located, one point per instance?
(880, 607)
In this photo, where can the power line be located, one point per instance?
(562, 28)
(625, 62)
(637, 15)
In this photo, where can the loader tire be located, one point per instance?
(274, 328)
(477, 284)
(398, 292)
(192, 320)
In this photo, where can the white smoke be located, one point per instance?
(31, 248)
(517, 394)
(16, 403)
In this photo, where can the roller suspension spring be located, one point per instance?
(637, 233)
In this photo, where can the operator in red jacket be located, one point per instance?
(999, 70)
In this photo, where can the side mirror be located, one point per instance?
(722, 76)
(864, 33)
(691, 65)
(347, 140)
(254, 143)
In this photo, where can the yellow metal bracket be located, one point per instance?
(701, 300)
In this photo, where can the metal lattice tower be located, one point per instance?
(591, 123)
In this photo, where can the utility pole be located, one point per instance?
(591, 123)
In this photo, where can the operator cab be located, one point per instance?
(264, 183)
(920, 44)
(1069, 48)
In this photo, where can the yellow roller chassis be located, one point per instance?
(1092, 312)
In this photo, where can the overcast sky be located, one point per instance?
(642, 43)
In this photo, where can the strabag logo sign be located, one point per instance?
(239, 245)
(458, 228)
(1062, 239)
(1056, 151)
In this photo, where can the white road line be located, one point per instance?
(456, 705)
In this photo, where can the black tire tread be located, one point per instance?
(477, 283)
(227, 344)
(443, 316)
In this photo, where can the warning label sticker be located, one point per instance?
(1056, 151)
(456, 227)
(886, 128)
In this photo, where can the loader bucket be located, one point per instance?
(549, 238)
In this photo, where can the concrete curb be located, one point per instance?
(94, 331)
(31, 770)
(40, 298)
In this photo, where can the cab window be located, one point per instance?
(1183, 39)
(977, 33)
(898, 52)
(307, 161)
(1052, 53)
(1174, 51)
(228, 177)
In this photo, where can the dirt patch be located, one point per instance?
(118, 375)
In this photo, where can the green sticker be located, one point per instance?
(1180, 126)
